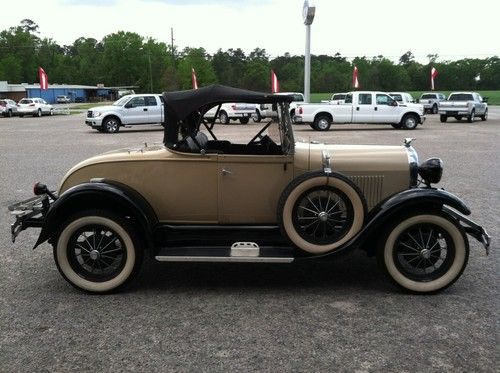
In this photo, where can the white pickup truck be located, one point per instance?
(232, 111)
(265, 110)
(361, 107)
(128, 110)
(463, 105)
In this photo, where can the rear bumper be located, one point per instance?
(453, 112)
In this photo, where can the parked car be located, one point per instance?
(336, 99)
(232, 111)
(431, 101)
(266, 111)
(63, 100)
(199, 197)
(128, 110)
(34, 106)
(402, 97)
(463, 104)
(8, 108)
(361, 107)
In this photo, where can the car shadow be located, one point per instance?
(348, 272)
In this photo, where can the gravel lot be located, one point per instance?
(342, 316)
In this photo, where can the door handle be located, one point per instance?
(225, 172)
(357, 108)
(145, 109)
(376, 108)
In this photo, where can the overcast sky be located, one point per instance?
(452, 29)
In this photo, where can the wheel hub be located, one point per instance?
(94, 255)
(425, 253)
(323, 216)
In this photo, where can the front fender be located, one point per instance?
(100, 195)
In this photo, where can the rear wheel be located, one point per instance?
(244, 120)
(257, 117)
(472, 116)
(484, 116)
(434, 109)
(322, 123)
(51, 112)
(443, 118)
(38, 113)
(409, 122)
(97, 251)
(224, 119)
(424, 252)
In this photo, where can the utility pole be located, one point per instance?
(150, 72)
(308, 11)
(173, 57)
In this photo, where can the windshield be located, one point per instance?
(122, 101)
(428, 96)
(461, 97)
(338, 97)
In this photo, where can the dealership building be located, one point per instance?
(76, 93)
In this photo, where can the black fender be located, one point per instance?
(104, 194)
(386, 210)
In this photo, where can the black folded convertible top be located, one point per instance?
(180, 104)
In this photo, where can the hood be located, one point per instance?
(105, 108)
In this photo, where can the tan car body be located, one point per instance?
(238, 189)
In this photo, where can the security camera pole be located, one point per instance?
(308, 11)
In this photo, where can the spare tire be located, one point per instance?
(319, 212)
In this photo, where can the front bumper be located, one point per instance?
(472, 228)
(93, 122)
(28, 214)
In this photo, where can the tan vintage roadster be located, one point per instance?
(197, 197)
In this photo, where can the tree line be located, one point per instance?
(127, 58)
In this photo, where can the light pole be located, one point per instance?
(150, 72)
(308, 11)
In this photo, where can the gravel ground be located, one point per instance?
(340, 316)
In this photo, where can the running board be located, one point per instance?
(240, 252)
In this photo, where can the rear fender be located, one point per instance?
(104, 194)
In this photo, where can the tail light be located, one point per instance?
(300, 110)
(233, 107)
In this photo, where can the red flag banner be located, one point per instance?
(434, 73)
(355, 80)
(194, 80)
(43, 78)
(275, 85)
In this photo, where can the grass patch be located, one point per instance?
(493, 96)
(89, 105)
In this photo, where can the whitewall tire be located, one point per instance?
(424, 253)
(97, 252)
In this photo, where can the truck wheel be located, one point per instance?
(224, 119)
(322, 123)
(292, 114)
(97, 251)
(424, 252)
(409, 122)
(244, 120)
(434, 109)
(443, 118)
(484, 117)
(472, 116)
(319, 212)
(257, 117)
(111, 125)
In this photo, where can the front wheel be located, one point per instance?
(97, 251)
(111, 125)
(410, 122)
(424, 252)
(38, 113)
(224, 118)
(443, 118)
(434, 109)
(257, 117)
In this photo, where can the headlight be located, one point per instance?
(96, 114)
(431, 170)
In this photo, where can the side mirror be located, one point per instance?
(393, 103)
(485, 100)
(129, 105)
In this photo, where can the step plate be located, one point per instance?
(234, 259)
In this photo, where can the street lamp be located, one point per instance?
(308, 11)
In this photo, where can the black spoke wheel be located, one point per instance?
(424, 252)
(97, 251)
(322, 215)
(319, 212)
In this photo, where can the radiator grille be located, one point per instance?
(371, 186)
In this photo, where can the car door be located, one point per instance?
(386, 108)
(136, 111)
(250, 187)
(364, 109)
(480, 105)
(154, 109)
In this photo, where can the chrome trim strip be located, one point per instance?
(240, 259)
